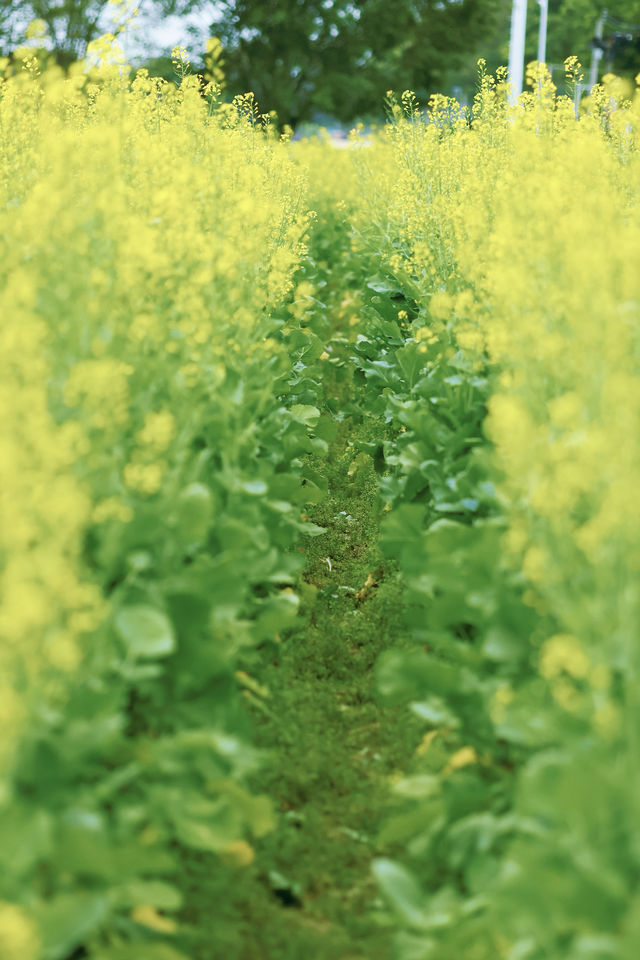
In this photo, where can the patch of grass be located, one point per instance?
(331, 745)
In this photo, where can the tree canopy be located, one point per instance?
(340, 56)
(71, 24)
(302, 58)
(572, 26)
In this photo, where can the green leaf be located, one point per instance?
(25, 837)
(256, 488)
(326, 428)
(434, 710)
(501, 644)
(401, 890)
(410, 361)
(262, 819)
(194, 512)
(596, 947)
(146, 631)
(305, 414)
(277, 612)
(203, 836)
(422, 785)
(402, 674)
(140, 951)
(286, 487)
(402, 529)
(381, 284)
(311, 529)
(154, 893)
(84, 844)
(66, 920)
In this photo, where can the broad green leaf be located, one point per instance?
(194, 512)
(155, 893)
(305, 413)
(402, 529)
(401, 890)
(146, 631)
(326, 428)
(402, 674)
(140, 950)
(278, 612)
(262, 820)
(66, 920)
(286, 487)
(25, 837)
(411, 361)
(381, 284)
(256, 488)
(501, 644)
(311, 529)
(415, 946)
(203, 836)
(434, 710)
(83, 844)
(422, 785)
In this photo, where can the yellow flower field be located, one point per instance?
(193, 309)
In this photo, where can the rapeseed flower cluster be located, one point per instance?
(515, 225)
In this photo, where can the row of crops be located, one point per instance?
(167, 415)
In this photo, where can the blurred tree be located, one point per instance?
(572, 26)
(71, 24)
(339, 57)
(303, 57)
(571, 29)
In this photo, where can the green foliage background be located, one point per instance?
(338, 58)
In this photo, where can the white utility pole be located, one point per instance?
(516, 47)
(542, 31)
(596, 53)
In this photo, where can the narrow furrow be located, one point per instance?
(332, 747)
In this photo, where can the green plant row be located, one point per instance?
(158, 405)
(496, 336)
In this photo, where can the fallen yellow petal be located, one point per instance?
(461, 758)
(148, 916)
